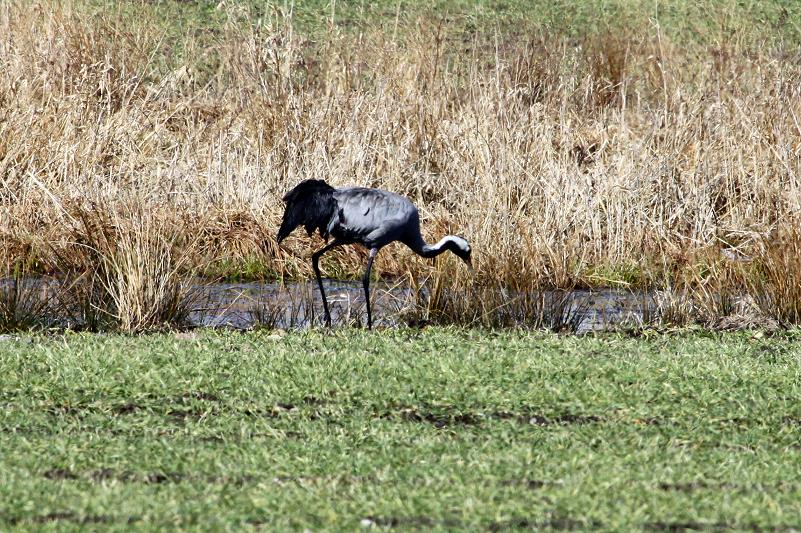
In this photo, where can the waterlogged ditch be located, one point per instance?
(298, 305)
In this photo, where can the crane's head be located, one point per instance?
(462, 250)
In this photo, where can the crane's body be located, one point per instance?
(372, 217)
(358, 215)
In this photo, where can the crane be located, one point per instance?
(359, 215)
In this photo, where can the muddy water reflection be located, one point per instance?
(298, 305)
(293, 305)
(244, 305)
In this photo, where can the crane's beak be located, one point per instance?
(469, 263)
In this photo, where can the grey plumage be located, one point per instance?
(358, 215)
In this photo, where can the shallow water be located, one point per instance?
(298, 304)
(243, 305)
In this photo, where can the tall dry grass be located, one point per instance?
(122, 269)
(614, 159)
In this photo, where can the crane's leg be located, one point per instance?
(315, 265)
(366, 283)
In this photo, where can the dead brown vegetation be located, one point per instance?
(557, 159)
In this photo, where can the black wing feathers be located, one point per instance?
(310, 203)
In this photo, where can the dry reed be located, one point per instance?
(124, 270)
(557, 158)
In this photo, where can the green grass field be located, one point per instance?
(705, 22)
(404, 429)
(699, 25)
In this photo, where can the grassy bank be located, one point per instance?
(574, 144)
(441, 428)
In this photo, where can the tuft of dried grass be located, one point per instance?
(124, 270)
(775, 282)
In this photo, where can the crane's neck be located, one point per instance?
(455, 244)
